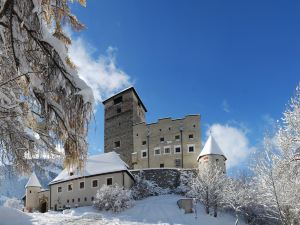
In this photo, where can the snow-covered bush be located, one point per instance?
(144, 188)
(13, 203)
(113, 198)
(186, 178)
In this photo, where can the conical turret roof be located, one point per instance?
(211, 147)
(33, 181)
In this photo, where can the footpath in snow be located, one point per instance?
(161, 210)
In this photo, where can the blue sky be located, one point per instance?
(236, 63)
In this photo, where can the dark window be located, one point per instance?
(81, 184)
(78, 199)
(59, 189)
(117, 144)
(144, 154)
(177, 150)
(167, 151)
(177, 162)
(85, 199)
(71, 173)
(137, 134)
(95, 183)
(73, 200)
(191, 136)
(68, 200)
(162, 139)
(191, 148)
(109, 181)
(119, 109)
(29, 191)
(92, 198)
(161, 165)
(169, 128)
(159, 129)
(194, 125)
(118, 100)
(217, 160)
(70, 187)
(157, 151)
(144, 142)
(177, 137)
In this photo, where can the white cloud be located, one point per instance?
(233, 142)
(101, 72)
(225, 106)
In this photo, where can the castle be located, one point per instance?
(129, 143)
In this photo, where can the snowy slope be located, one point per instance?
(160, 210)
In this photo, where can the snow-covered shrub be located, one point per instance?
(186, 178)
(13, 203)
(144, 188)
(113, 198)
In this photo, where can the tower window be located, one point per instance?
(162, 139)
(119, 109)
(109, 181)
(144, 142)
(191, 136)
(118, 100)
(117, 144)
(177, 137)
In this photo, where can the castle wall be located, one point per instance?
(176, 136)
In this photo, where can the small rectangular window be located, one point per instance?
(109, 181)
(85, 199)
(191, 136)
(119, 109)
(144, 154)
(81, 185)
(167, 150)
(68, 200)
(78, 199)
(73, 200)
(144, 142)
(177, 149)
(59, 189)
(162, 139)
(118, 100)
(161, 165)
(117, 144)
(191, 148)
(92, 198)
(157, 151)
(177, 137)
(95, 183)
(70, 187)
(177, 162)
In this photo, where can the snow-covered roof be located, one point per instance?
(96, 164)
(211, 147)
(33, 181)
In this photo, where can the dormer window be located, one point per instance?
(71, 173)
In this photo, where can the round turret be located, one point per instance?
(33, 187)
(212, 156)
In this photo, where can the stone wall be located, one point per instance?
(164, 178)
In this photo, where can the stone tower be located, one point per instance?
(122, 111)
(212, 156)
(33, 187)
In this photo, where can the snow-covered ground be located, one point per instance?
(161, 210)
